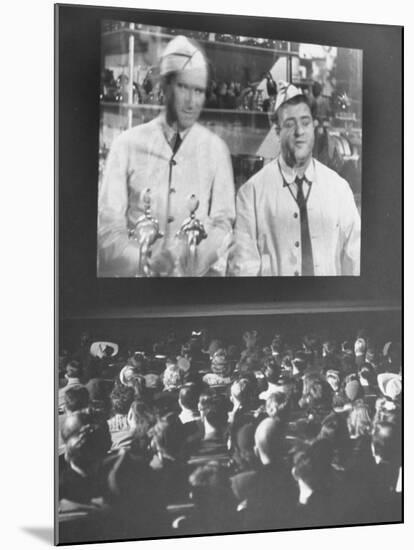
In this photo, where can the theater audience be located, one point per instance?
(284, 433)
(168, 443)
(214, 503)
(312, 470)
(244, 457)
(243, 398)
(360, 348)
(266, 494)
(76, 398)
(277, 406)
(131, 376)
(213, 410)
(271, 373)
(140, 419)
(73, 377)
(188, 401)
(121, 400)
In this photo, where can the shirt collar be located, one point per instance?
(72, 381)
(170, 131)
(188, 416)
(289, 174)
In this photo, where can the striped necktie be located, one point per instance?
(307, 256)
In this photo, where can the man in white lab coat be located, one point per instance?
(174, 157)
(295, 217)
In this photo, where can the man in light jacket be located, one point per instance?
(175, 158)
(295, 217)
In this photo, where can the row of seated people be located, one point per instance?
(292, 440)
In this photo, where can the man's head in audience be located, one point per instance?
(386, 443)
(210, 484)
(311, 468)
(213, 413)
(316, 392)
(87, 441)
(268, 440)
(242, 393)
(310, 343)
(299, 364)
(130, 376)
(328, 348)
(73, 371)
(173, 378)
(276, 405)
(244, 448)
(121, 399)
(188, 398)
(76, 399)
(271, 370)
(333, 377)
(168, 438)
(367, 375)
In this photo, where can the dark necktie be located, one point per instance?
(307, 256)
(176, 143)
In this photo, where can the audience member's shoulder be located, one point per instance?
(243, 483)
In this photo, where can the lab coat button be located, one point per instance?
(297, 244)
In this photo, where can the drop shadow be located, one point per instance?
(43, 533)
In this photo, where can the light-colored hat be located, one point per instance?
(333, 373)
(390, 384)
(128, 374)
(285, 92)
(181, 55)
(101, 349)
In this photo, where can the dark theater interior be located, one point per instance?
(211, 405)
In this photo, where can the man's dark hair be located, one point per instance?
(188, 396)
(367, 372)
(88, 442)
(296, 100)
(215, 409)
(76, 398)
(316, 392)
(313, 463)
(121, 398)
(211, 475)
(73, 369)
(244, 390)
(272, 369)
(169, 434)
